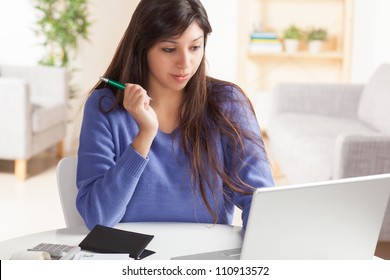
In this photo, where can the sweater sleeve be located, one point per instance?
(252, 165)
(106, 183)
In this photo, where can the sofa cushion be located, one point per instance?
(44, 117)
(296, 136)
(375, 100)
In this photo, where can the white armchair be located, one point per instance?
(33, 112)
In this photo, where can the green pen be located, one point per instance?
(113, 83)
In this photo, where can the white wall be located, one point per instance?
(18, 43)
(371, 43)
(222, 44)
(109, 22)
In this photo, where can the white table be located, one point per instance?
(170, 239)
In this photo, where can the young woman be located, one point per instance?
(175, 145)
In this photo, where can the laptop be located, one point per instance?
(337, 219)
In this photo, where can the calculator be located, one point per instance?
(57, 251)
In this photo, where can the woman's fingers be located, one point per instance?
(134, 96)
(137, 103)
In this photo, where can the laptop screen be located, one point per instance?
(338, 219)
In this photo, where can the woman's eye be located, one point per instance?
(195, 48)
(168, 50)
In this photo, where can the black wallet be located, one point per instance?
(104, 239)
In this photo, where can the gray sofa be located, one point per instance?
(33, 115)
(327, 131)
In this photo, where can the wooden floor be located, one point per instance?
(383, 250)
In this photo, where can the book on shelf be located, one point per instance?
(265, 42)
(263, 35)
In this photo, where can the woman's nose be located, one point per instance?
(184, 60)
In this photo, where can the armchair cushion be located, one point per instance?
(305, 146)
(45, 117)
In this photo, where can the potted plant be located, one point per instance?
(315, 38)
(61, 25)
(292, 36)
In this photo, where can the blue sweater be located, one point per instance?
(116, 184)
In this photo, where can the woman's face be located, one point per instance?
(173, 61)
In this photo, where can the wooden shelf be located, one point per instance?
(303, 55)
(261, 71)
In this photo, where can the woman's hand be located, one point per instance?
(137, 103)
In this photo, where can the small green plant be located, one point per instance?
(317, 34)
(293, 32)
(61, 23)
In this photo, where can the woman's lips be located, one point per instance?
(181, 78)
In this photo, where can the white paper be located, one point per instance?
(97, 256)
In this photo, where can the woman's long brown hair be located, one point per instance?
(202, 112)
